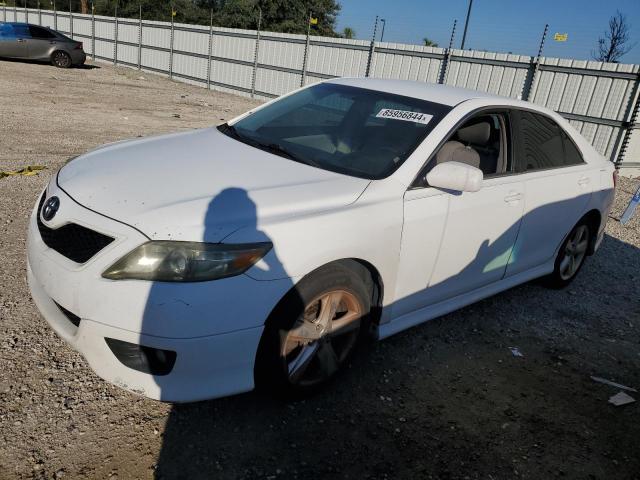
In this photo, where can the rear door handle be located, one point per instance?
(583, 181)
(21, 40)
(513, 197)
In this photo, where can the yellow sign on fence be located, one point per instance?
(313, 21)
(561, 37)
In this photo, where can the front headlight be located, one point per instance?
(170, 261)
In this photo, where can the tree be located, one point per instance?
(348, 32)
(429, 43)
(84, 8)
(615, 42)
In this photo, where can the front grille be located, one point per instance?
(72, 317)
(74, 241)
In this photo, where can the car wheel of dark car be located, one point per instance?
(61, 59)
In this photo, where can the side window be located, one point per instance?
(21, 31)
(572, 155)
(6, 32)
(542, 144)
(37, 32)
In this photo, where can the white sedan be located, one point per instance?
(197, 265)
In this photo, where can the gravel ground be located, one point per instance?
(442, 400)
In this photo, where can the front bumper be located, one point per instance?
(214, 327)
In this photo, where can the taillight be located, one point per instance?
(79, 46)
(615, 178)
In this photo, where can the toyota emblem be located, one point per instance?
(50, 208)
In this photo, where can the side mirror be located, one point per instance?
(455, 176)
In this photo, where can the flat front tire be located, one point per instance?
(313, 332)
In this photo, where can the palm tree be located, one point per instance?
(429, 43)
(348, 32)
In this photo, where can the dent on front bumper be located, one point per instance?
(214, 327)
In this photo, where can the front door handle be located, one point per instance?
(583, 181)
(513, 197)
(21, 40)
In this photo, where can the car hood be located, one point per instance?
(200, 184)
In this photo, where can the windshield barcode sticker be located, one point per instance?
(405, 115)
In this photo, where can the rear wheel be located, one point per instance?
(61, 59)
(571, 256)
(314, 332)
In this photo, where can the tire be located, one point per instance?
(571, 256)
(313, 332)
(60, 59)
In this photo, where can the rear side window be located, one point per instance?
(38, 32)
(542, 144)
(572, 155)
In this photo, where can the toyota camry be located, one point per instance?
(264, 250)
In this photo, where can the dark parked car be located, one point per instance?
(22, 40)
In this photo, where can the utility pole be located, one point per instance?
(466, 25)
(384, 22)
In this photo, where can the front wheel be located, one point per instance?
(61, 59)
(571, 257)
(314, 332)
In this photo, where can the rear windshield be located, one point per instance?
(349, 130)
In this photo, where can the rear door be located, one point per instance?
(557, 183)
(12, 40)
(41, 43)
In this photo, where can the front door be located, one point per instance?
(13, 40)
(456, 242)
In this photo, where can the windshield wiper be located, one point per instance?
(268, 147)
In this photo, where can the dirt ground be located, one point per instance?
(444, 400)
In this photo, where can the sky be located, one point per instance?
(495, 25)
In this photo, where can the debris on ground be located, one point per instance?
(27, 171)
(613, 384)
(620, 399)
(515, 351)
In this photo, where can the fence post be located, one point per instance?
(447, 56)
(171, 46)
(4, 13)
(210, 50)
(533, 68)
(255, 55)
(93, 31)
(371, 48)
(55, 16)
(631, 125)
(15, 11)
(115, 37)
(306, 52)
(26, 12)
(39, 14)
(70, 21)
(140, 39)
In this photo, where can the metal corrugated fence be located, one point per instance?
(599, 99)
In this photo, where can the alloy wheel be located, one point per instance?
(574, 252)
(61, 59)
(322, 338)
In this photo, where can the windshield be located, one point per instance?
(358, 132)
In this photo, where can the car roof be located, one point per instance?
(431, 92)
